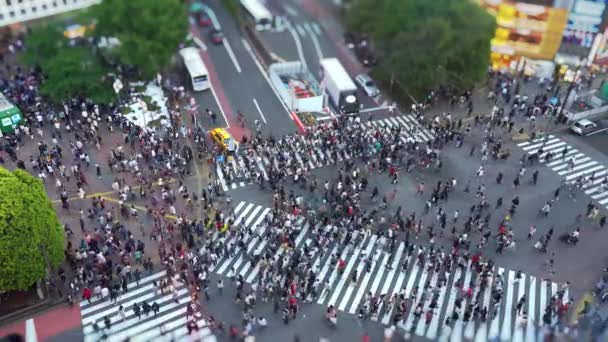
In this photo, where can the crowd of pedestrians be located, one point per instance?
(72, 148)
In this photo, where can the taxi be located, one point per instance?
(223, 139)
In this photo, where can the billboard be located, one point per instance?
(584, 22)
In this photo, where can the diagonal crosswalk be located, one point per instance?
(571, 164)
(240, 170)
(172, 315)
(388, 276)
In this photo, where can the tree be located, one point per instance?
(76, 71)
(42, 43)
(29, 231)
(424, 44)
(149, 31)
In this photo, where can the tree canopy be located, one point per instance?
(28, 225)
(424, 44)
(149, 31)
(76, 72)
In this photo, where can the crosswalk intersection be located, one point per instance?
(172, 315)
(572, 165)
(388, 277)
(235, 172)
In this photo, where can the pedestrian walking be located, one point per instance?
(531, 232)
(520, 304)
(122, 314)
(220, 286)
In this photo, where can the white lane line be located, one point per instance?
(199, 42)
(261, 69)
(298, 42)
(315, 42)
(255, 102)
(290, 10)
(219, 105)
(232, 56)
(596, 132)
(316, 28)
(300, 30)
(372, 109)
(30, 331)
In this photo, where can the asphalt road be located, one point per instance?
(309, 38)
(243, 80)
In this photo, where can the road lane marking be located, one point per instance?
(315, 42)
(298, 42)
(255, 102)
(316, 28)
(596, 132)
(290, 10)
(301, 30)
(372, 109)
(261, 69)
(199, 42)
(232, 56)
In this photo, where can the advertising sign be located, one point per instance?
(584, 21)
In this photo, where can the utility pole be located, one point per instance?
(569, 92)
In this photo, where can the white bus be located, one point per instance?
(258, 13)
(196, 68)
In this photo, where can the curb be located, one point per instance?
(29, 311)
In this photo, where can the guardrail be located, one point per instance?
(592, 114)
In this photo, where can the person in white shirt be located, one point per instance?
(262, 322)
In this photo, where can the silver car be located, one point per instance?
(368, 85)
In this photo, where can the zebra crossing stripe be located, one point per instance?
(396, 289)
(352, 259)
(351, 287)
(299, 239)
(129, 327)
(85, 304)
(389, 278)
(240, 173)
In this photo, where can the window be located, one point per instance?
(34, 9)
(1, 16)
(11, 13)
(19, 1)
(23, 11)
(54, 4)
(8, 2)
(43, 6)
(65, 2)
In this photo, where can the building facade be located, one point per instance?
(15, 11)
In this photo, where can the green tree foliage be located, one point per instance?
(28, 225)
(424, 44)
(149, 31)
(76, 71)
(42, 43)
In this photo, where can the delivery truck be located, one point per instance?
(339, 87)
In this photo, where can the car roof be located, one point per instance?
(585, 122)
(364, 77)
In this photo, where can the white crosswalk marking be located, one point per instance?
(231, 174)
(347, 294)
(573, 165)
(146, 327)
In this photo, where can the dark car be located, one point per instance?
(216, 36)
(203, 19)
